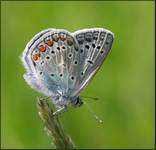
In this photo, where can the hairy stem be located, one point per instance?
(53, 126)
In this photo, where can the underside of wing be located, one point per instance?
(49, 57)
(62, 63)
(94, 45)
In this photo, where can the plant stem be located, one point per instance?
(53, 126)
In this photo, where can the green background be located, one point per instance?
(124, 84)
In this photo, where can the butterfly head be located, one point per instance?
(76, 101)
(61, 101)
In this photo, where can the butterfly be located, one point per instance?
(60, 64)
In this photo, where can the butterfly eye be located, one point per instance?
(41, 73)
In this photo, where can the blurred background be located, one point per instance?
(124, 84)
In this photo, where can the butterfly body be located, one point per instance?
(60, 64)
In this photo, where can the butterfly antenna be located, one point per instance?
(94, 98)
(96, 117)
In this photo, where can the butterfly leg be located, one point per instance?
(61, 110)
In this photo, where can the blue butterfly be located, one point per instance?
(60, 64)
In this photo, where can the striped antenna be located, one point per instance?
(96, 117)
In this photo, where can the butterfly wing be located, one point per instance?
(30, 76)
(94, 46)
(48, 60)
(61, 63)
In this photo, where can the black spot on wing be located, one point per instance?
(80, 38)
(95, 35)
(88, 36)
(87, 46)
(90, 62)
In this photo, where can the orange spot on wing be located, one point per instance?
(50, 42)
(36, 57)
(55, 38)
(42, 48)
(62, 38)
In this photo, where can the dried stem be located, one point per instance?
(53, 126)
